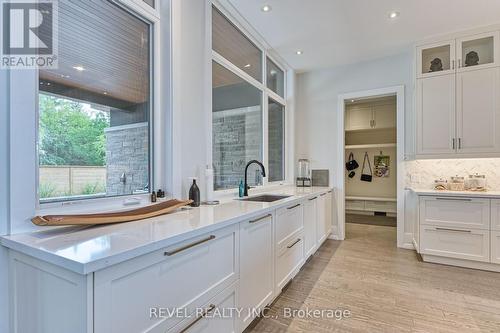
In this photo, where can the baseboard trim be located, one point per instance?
(485, 266)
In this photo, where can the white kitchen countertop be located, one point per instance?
(88, 249)
(472, 194)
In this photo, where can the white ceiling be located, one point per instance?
(337, 32)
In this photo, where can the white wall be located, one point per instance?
(191, 80)
(317, 92)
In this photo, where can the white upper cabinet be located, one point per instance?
(458, 97)
(359, 118)
(478, 111)
(383, 116)
(478, 51)
(436, 115)
(436, 59)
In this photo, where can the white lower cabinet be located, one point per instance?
(196, 285)
(217, 316)
(460, 231)
(310, 214)
(455, 243)
(321, 228)
(455, 212)
(184, 276)
(289, 259)
(256, 267)
(495, 247)
(329, 213)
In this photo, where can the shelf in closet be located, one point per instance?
(371, 146)
(371, 198)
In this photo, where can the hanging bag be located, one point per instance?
(365, 177)
(351, 164)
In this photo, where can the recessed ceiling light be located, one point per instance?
(105, 93)
(298, 52)
(247, 66)
(393, 15)
(79, 68)
(352, 101)
(266, 8)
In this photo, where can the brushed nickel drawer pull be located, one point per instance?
(184, 248)
(312, 199)
(455, 199)
(207, 311)
(454, 230)
(322, 195)
(330, 191)
(297, 205)
(260, 219)
(294, 243)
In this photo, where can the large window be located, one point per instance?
(248, 108)
(95, 109)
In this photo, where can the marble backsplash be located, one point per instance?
(422, 173)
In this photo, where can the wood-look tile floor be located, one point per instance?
(386, 290)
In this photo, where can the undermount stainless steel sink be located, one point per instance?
(266, 198)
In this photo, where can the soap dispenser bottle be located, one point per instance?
(241, 189)
(194, 194)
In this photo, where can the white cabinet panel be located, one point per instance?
(329, 212)
(495, 214)
(478, 111)
(384, 116)
(256, 266)
(310, 217)
(216, 316)
(495, 247)
(444, 51)
(485, 45)
(186, 275)
(289, 220)
(289, 260)
(321, 219)
(455, 212)
(436, 115)
(456, 243)
(359, 118)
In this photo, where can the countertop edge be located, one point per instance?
(427, 192)
(84, 268)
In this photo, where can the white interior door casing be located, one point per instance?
(436, 115)
(478, 111)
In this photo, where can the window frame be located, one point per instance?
(267, 93)
(24, 92)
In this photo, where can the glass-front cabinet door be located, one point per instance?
(436, 59)
(478, 51)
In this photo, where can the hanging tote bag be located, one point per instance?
(351, 164)
(365, 177)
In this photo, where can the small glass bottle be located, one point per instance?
(194, 194)
(241, 189)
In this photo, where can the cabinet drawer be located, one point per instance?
(495, 214)
(215, 316)
(495, 247)
(355, 205)
(289, 260)
(381, 206)
(185, 276)
(455, 212)
(456, 243)
(289, 220)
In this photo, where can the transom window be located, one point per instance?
(248, 108)
(95, 109)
